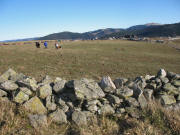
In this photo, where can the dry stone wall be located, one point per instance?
(77, 100)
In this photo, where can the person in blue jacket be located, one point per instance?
(45, 44)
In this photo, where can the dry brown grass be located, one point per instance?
(154, 120)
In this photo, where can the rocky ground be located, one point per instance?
(78, 101)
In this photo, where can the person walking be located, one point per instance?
(45, 44)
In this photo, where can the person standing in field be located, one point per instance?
(45, 44)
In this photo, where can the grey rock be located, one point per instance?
(148, 93)
(46, 80)
(114, 99)
(26, 91)
(38, 121)
(29, 83)
(63, 105)
(3, 93)
(173, 76)
(164, 80)
(58, 117)
(87, 89)
(124, 92)
(170, 89)
(45, 91)
(161, 73)
(5, 76)
(176, 83)
(92, 108)
(132, 102)
(79, 118)
(119, 83)
(59, 86)
(106, 109)
(137, 91)
(50, 103)
(142, 101)
(133, 112)
(17, 77)
(34, 105)
(9, 85)
(107, 82)
(167, 100)
(21, 97)
(149, 77)
(151, 86)
(178, 98)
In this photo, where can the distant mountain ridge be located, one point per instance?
(146, 30)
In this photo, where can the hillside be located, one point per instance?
(149, 31)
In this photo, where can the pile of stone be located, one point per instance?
(78, 100)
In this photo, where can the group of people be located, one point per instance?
(57, 46)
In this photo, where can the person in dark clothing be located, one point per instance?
(37, 44)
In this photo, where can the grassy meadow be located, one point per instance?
(90, 59)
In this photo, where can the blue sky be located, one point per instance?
(34, 18)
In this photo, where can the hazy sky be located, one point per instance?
(33, 18)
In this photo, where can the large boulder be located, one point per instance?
(137, 91)
(142, 101)
(34, 105)
(3, 93)
(107, 82)
(87, 89)
(124, 92)
(30, 83)
(170, 89)
(113, 99)
(21, 97)
(119, 82)
(5, 76)
(45, 91)
(38, 121)
(62, 105)
(26, 91)
(58, 117)
(59, 86)
(79, 118)
(9, 85)
(167, 99)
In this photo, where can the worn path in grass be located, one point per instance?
(91, 59)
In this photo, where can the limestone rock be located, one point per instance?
(79, 118)
(170, 89)
(21, 97)
(87, 89)
(176, 83)
(9, 85)
(38, 121)
(132, 102)
(107, 82)
(50, 103)
(5, 76)
(46, 80)
(120, 82)
(63, 105)
(124, 92)
(17, 77)
(58, 117)
(142, 101)
(133, 112)
(106, 109)
(148, 93)
(29, 83)
(3, 93)
(34, 105)
(167, 99)
(113, 99)
(137, 91)
(45, 91)
(26, 91)
(59, 86)
(161, 73)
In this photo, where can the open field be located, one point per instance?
(91, 59)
